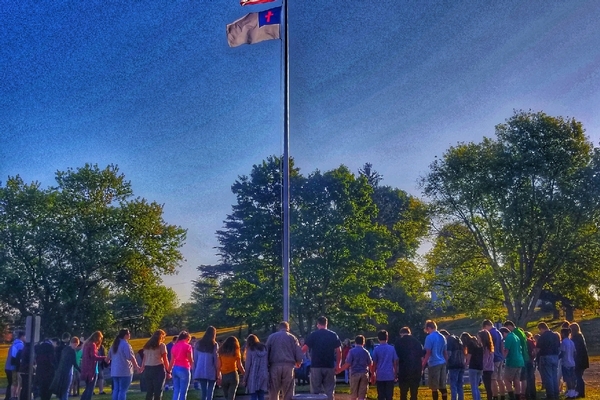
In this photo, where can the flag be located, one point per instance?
(255, 27)
(251, 2)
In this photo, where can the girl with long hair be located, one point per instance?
(256, 378)
(182, 360)
(155, 365)
(205, 363)
(228, 366)
(474, 353)
(89, 358)
(488, 360)
(123, 363)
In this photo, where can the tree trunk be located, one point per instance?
(555, 312)
(569, 313)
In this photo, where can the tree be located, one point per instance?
(529, 199)
(65, 250)
(340, 251)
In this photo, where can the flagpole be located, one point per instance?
(286, 170)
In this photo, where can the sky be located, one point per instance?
(153, 87)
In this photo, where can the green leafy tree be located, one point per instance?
(340, 251)
(529, 199)
(65, 250)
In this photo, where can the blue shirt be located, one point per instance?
(498, 345)
(436, 343)
(384, 356)
(12, 352)
(120, 362)
(359, 359)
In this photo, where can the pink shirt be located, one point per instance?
(180, 355)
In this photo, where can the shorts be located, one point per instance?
(524, 373)
(512, 374)
(437, 377)
(498, 374)
(359, 385)
(16, 379)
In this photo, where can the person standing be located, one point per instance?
(11, 366)
(582, 360)
(385, 367)
(488, 361)
(284, 353)
(498, 388)
(182, 359)
(155, 365)
(548, 346)
(436, 356)
(474, 350)
(89, 358)
(228, 366)
(326, 357)
(567, 357)
(44, 359)
(513, 355)
(410, 356)
(359, 361)
(61, 383)
(520, 334)
(123, 362)
(205, 363)
(256, 378)
(456, 364)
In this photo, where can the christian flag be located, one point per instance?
(251, 2)
(255, 28)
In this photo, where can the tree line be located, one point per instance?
(513, 222)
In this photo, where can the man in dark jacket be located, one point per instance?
(548, 346)
(456, 365)
(410, 356)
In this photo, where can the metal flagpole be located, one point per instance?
(286, 171)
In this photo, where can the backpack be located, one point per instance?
(456, 349)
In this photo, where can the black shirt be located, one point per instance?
(548, 344)
(322, 344)
(410, 353)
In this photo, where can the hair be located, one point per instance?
(96, 338)
(444, 332)
(322, 320)
(486, 322)
(183, 335)
(284, 325)
(369, 344)
(405, 330)
(155, 340)
(565, 332)
(529, 335)
(209, 340)
(543, 326)
(66, 337)
(382, 335)
(486, 340)
(504, 330)
(508, 323)
(469, 341)
(230, 346)
(429, 324)
(117, 341)
(74, 340)
(174, 338)
(254, 344)
(565, 324)
(575, 328)
(19, 334)
(359, 339)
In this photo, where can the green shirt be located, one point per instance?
(523, 339)
(514, 358)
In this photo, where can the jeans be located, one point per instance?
(456, 376)
(530, 391)
(258, 395)
(474, 379)
(487, 383)
(181, 382)
(120, 387)
(411, 386)
(8, 388)
(207, 388)
(89, 389)
(579, 382)
(549, 373)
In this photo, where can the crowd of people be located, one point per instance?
(502, 357)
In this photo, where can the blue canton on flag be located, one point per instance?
(269, 17)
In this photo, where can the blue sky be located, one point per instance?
(153, 87)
